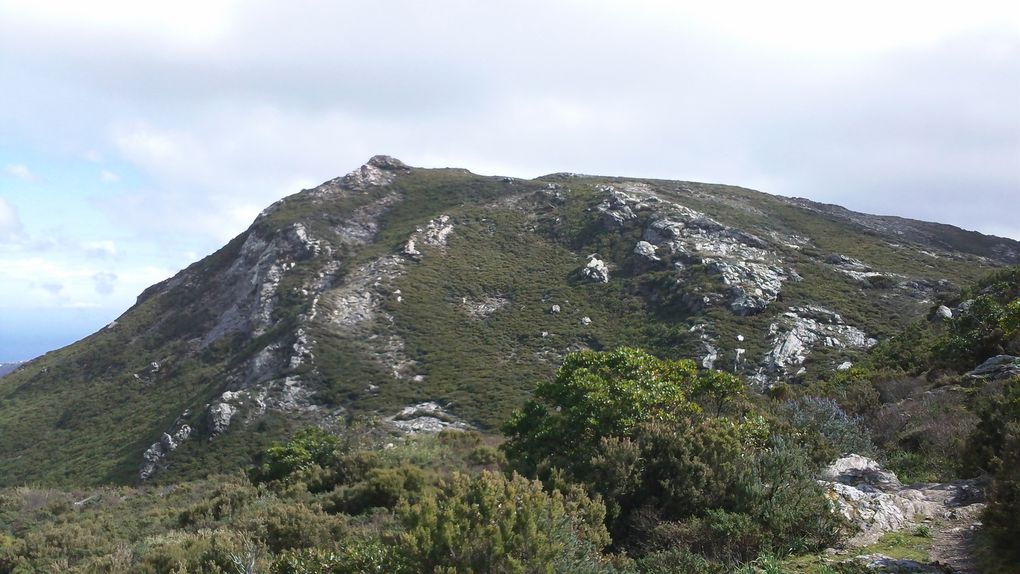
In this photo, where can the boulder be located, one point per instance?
(646, 251)
(854, 469)
(596, 270)
(997, 367)
(426, 418)
(219, 417)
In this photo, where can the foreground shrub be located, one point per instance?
(494, 524)
(597, 395)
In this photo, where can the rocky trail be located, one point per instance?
(874, 501)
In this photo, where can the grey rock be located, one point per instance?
(484, 308)
(943, 313)
(380, 170)
(801, 329)
(873, 501)
(844, 366)
(997, 367)
(219, 417)
(426, 418)
(711, 355)
(554, 309)
(154, 456)
(616, 208)
(646, 251)
(881, 564)
(854, 469)
(596, 270)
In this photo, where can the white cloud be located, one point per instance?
(10, 223)
(104, 282)
(102, 248)
(107, 176)
(28, 281)
(20, 171)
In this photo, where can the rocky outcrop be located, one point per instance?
(855, 469)
(596, 270)
(219, 417)
(997, 367)
(801, 329)
(485, 307)
(435, 234)
(873, 501)
(752, 285)
(380, 170)
(156, 454)
(425, 418)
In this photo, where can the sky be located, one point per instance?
(137, 137)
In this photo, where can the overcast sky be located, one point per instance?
(136, 137)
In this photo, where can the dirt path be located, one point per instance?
(954, 541)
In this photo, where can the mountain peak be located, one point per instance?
(387, 162)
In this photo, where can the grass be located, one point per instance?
(902, 545)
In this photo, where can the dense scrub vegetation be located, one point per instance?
(624, 462)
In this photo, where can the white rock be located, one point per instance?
(596, 270)
(646, 250)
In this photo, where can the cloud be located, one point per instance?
(107, 176)
(103, 248)
(104, 282)
(20, 171)
(10, 222)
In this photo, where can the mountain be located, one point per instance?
(8, 367)
(437, 297)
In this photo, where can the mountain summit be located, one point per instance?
(436, 297)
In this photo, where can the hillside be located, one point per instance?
(392, 287)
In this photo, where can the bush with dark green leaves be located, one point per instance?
(494, 524)
(605, 394)
(622, 424)
(310, 446)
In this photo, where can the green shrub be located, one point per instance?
(596, 395)
(381, 488)
(310, 446)
(494, 524)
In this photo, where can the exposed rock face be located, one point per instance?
(380, 170)
(427, 417)
(753, 285)
(646, 251)
(997, 367)
(616, 208)
(753, 274)
(856, 469)
(219, 417)
(596, 270)
(802, 328)
(434, 234)
(154, 456)
(874, 502)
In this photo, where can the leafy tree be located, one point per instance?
(720, 388)
(310, 446)
(596, 395)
